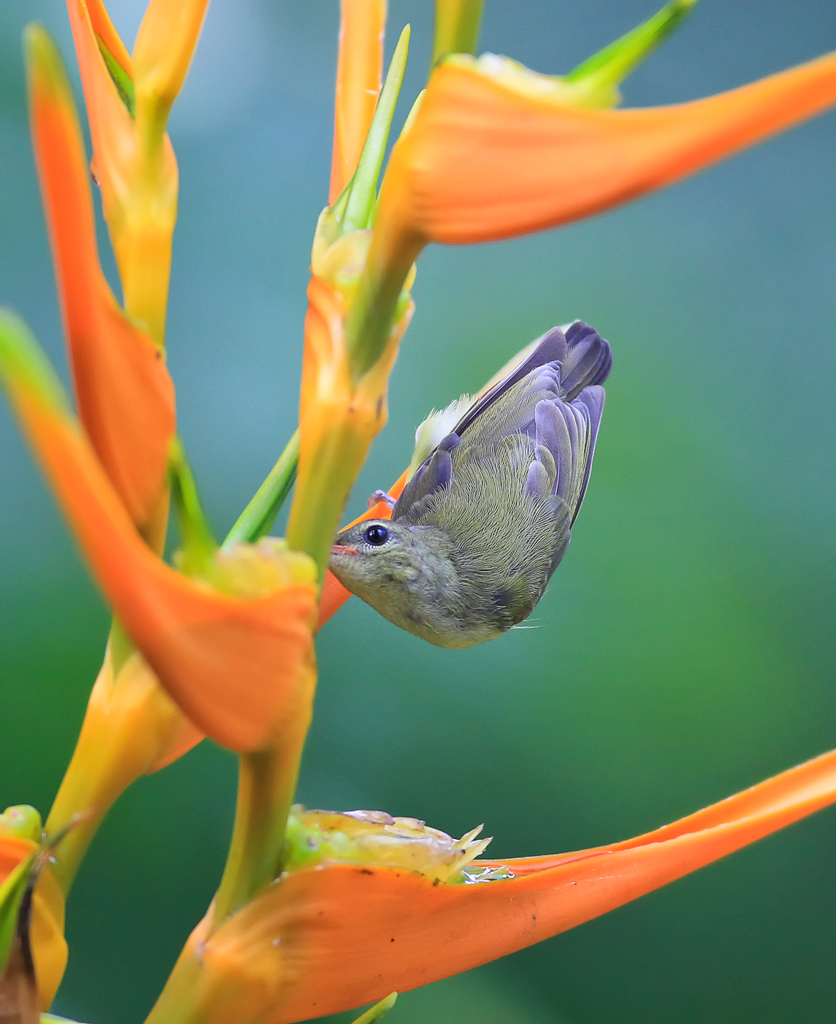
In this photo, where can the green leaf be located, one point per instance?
(121, 79)
(377, 1011)
(196, 557)
(23, 365)
(600, 75)
(360, 195)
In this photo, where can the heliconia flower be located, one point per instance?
(231, 649)
(339, 933)
(359, 78)
(496, 150)
(133, 160)
(124, 392)
(20, 834)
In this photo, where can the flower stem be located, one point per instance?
(266, 784)
(260, 514)
(456, 27)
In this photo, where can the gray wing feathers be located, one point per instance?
(432, 475)
(550, 349)
(567, 430)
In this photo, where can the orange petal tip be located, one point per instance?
(496, 151)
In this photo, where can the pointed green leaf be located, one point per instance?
(377, 1011)
(121, 79)
(196, 557)
(23, 365)
(600, 75)
(362, 189)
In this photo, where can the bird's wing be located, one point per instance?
(550, 349)
(565, 443)
(560, 368)
(588, 360)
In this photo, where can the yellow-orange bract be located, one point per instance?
(333, 937)
(49, 947)
(338, 416)
(133, 159)
(489, 158)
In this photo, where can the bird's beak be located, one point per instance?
(342, 549)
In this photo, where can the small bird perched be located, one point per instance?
(485, 518)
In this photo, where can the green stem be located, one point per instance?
(266, 784)
(392, 252)
(456, 27)
(260, 514)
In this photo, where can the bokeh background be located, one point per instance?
(685, 648)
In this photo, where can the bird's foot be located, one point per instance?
(387, 499)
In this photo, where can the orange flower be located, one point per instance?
(232, 657)
(496, 150)
(133, 160)
(359, 71)
(49, 947)
(337, 935)
(125, 395)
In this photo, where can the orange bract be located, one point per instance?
(125, 394)
(359, 74)
(484, 160)
(330, 938)
(230, 663)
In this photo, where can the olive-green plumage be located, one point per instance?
(485, 519)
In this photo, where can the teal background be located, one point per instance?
(685, 649)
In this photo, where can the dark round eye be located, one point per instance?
(376, 535)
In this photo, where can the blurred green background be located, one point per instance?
(686, 646)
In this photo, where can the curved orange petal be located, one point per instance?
(484, 160)
(125, 394)
(164, 48)
(232, 664)
(331, 938)
(139, 189)
(104, 29)
(111, 126)
(49, 947)
(359, 79)
(334, 595)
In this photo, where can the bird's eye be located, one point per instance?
(376, 535)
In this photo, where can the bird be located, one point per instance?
(486, 515)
